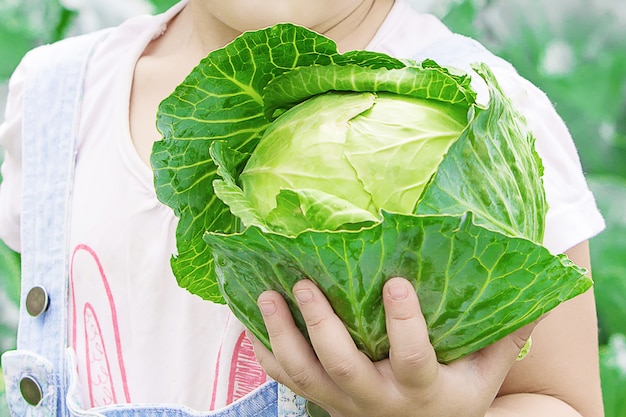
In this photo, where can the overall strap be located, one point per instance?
(52, 98)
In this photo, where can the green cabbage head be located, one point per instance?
(348, 156)
(286, 160)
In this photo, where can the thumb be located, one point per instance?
(495, 360)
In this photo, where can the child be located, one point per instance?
(138, 345)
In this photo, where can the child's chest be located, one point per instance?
(154, 79)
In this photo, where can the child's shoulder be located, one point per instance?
(410, 34)
(112, 38)
(63, 48)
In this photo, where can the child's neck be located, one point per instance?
(197, 29)
(356, 31)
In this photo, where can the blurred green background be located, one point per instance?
(574, 50)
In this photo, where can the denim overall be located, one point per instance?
(40, 375)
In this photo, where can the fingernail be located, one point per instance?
(267, 307)
(398, 291)
(303, 296)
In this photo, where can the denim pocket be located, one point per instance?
(31, 384)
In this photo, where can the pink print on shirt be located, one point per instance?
(101, 391)
(101, 371)
(246, 373)
(96, 339)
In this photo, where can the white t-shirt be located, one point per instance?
(138, 336)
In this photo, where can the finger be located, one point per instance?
(270, 364)
(411, 354)
(292, 361)
(350, 368)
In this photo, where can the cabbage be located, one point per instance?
(363, 151)
(286, 160)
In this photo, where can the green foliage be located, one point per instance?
(9, 296)
(4, 407)
(162, 5)
(574, 51)
(9, 302)
(607, 253)
(26, 24)
(9, 273)
(613, 373)
(13, 45)
(29, 23)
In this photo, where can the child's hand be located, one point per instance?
(344, 381)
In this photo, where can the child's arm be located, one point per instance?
(563, 362)
(558, 378)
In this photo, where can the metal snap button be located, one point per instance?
(31, 390)
(36, 301)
